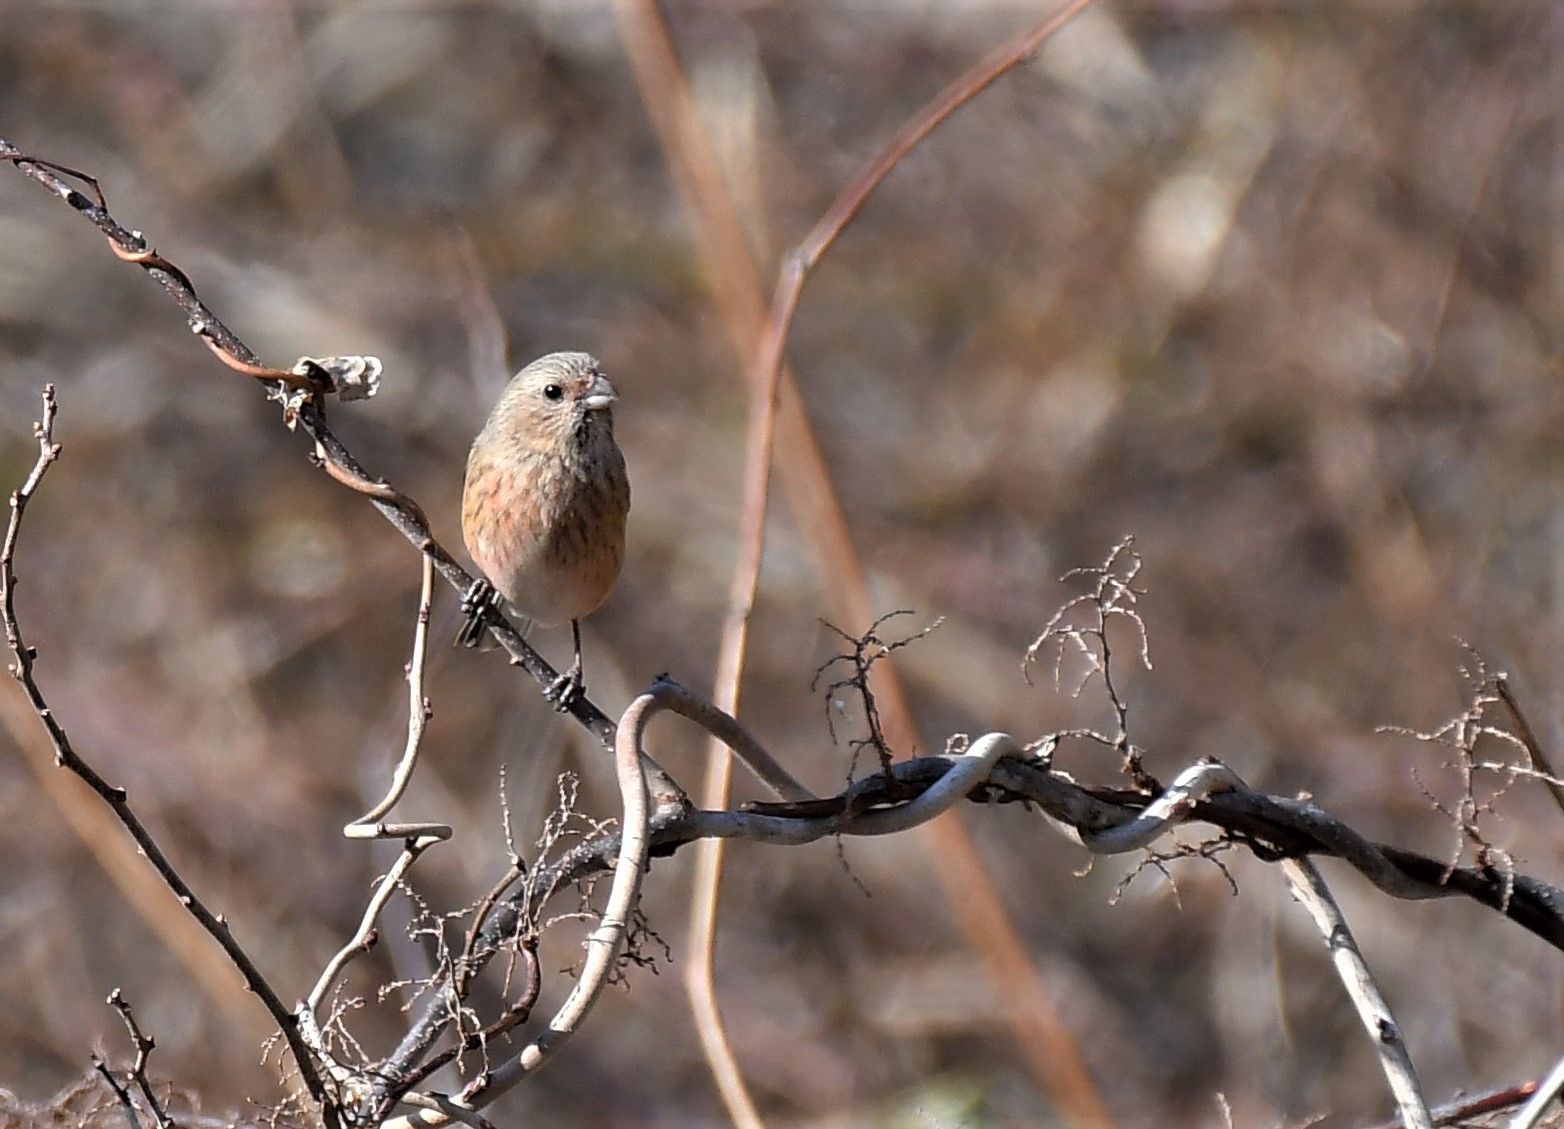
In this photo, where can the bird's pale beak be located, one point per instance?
(600, 395)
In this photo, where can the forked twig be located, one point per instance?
(364, 938)
(144, 1045)
(869, 649)
(1462, 735)
(606, 941)
(66, 756)
(1113, 596)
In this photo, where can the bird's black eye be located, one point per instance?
(553, 392)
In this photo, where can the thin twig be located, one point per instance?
(301, 391)
(1470, 1106)
(145, 1044)
(1309, 888)
(121, 1093)
(606, 941)
(725, 728)
(869, 649)
(671, 809)
(776, 412)
(1539, 759)
(469, 965)
(116, 798)
(1547, 1093)
(369, 825)
(1113, 596)
(367, 934)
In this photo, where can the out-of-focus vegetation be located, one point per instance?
(1270, 286)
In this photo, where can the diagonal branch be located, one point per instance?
(116, 798)
(1308, 887)
(302, 393)
(777, 415)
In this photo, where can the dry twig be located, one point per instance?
(1309, 888)
(66, 756)
(776, 415)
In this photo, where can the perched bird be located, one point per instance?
(545, 500)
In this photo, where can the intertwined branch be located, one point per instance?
(898, 796)
(658, 818)
(993, 768)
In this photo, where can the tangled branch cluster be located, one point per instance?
(586, 869)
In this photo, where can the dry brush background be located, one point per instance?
(1270, 286)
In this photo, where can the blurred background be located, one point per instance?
(1269, 286)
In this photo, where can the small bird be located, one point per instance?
(545, 501)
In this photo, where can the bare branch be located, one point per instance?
(369, 825)
(144, 1045)
(868, 649)
(725, 728)
(302, 395)
(1547, 1093)
(606, 941)
(65, 755)
(1481, 783)
(1307, 885)
(1113, 596)
(777, 415)
(1539, 759)
(367, 934)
